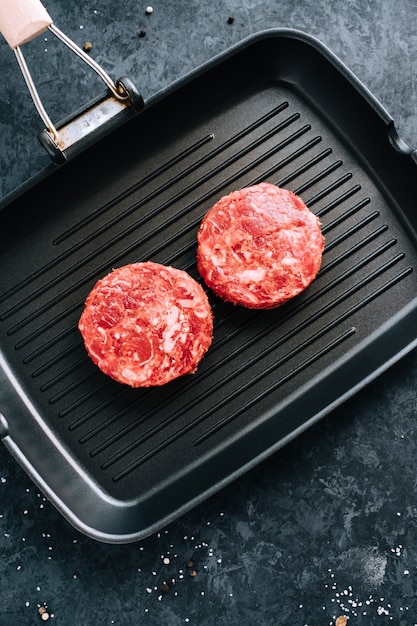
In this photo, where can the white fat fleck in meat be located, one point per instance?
(103, 333)
(169, 341)
(120, 285)
(172, 316)
(201, 313)
(187, 303)
(289, 261)
(130, 375)
(252, 276)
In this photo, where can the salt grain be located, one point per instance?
(149, 10)
(381, 611)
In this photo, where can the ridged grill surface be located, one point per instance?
(259, 359)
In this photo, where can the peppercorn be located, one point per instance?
(142, 32)
(230, 19)
(88, 46)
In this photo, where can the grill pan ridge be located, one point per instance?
(121, 463)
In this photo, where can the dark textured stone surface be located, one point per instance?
(326, 527)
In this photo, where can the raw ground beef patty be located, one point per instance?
(145, 324)
(259, 247)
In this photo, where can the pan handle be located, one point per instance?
(22, 20)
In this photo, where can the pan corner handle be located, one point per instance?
(397, 142)
(56, 155)
(125, 85)
(4, 426)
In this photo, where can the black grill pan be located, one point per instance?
(121, 463)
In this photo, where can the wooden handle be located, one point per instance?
(22, 20)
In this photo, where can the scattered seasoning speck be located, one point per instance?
(44, 615)
(88, 46)
(190, 563)
(341, 621)
(166, 561)
(148, 10)
(193, 573)
(230, 19)
(142, 32)
(165, 587)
